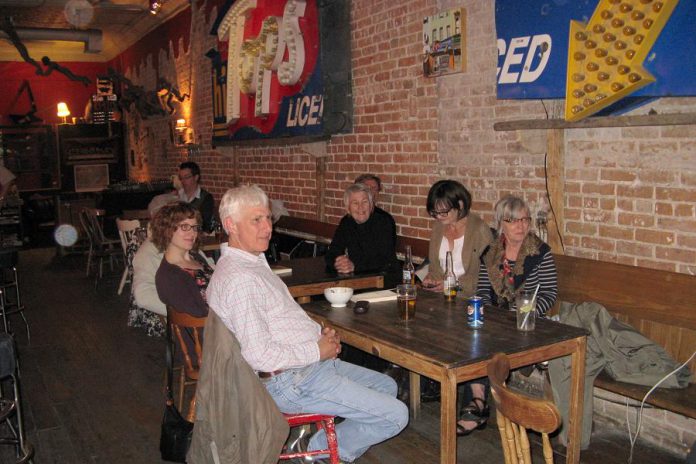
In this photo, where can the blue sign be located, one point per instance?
(533, 49)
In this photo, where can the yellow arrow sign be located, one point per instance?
(605, 56)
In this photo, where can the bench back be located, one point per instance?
(323, 232)
(660, 304)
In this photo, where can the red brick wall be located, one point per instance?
(630, 193)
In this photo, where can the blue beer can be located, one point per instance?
(475, 312)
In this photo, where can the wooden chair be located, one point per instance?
(99, 245)
(517, 412)
(126, 230)
(188, 331)
(322, 422)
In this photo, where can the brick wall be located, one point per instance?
(630, 192)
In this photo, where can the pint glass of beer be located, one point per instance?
(406, 301)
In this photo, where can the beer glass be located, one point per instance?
(406, 301)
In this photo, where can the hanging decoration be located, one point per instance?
(8, 28)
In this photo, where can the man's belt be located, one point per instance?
(268, 375)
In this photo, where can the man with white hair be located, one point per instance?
(294, 357)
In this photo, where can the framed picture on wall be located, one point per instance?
(91, 177)
(444, 48)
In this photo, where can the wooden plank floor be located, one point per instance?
(93, 386)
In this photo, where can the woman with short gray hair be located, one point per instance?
(515, 262)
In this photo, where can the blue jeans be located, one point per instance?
(365, 398)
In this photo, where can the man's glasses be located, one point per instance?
(186, 227)
(523, 220)
(436, 214)
(186, 177)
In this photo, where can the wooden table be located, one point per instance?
(310, 277)
(440, 345)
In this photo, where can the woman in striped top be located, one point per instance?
(516, 261)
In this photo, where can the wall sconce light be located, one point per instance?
(184, 134)
(155, 6)
(63, 111)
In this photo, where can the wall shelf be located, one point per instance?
(674, 119)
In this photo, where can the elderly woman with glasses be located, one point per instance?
(184, 273)
(458, 230)
(365, 239)
(515, 262)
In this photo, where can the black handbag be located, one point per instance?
(175, 437)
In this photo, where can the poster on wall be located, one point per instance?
(273, 76)
(443, 50)
(533, 44)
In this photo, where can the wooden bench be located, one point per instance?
(660, 304)
(323, 232)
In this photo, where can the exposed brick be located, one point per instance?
(639, 220)
(600, 189)
(634, 192)
(620, 233)
(654, 236)
(617, 175)
(676, 254)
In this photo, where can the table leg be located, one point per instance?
(414, 393)
(448, 420)
(576, 402)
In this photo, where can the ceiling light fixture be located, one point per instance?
(155, 6)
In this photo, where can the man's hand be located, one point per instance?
(329, 344)
(344, 265)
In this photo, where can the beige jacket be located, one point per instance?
(237, 421)
(477, 237)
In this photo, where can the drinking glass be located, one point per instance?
(526, 311)
(406, 301)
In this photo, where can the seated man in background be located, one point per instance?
(365, 240)
(192, 193)
(375, 185)
(294, 357)
(7, 179)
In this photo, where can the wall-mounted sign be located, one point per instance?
(533, 38)
(268, 80)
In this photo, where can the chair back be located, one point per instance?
(188, 330)
(517, 412)
(89, 217)
(126, 229)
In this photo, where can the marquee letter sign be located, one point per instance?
(267, 75)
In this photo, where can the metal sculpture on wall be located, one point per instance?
(8, 28)
(147, 103)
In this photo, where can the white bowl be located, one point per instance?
(338, 296)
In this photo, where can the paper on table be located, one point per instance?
(374, 297)
(281, 270)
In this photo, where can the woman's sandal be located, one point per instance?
(473, 413)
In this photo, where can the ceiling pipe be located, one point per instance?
(92, 38)
(22, 3)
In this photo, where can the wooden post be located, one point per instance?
(321, 191)
(555, 142)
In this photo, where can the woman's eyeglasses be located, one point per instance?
(436, 214)
(186, 227)
(523, 220)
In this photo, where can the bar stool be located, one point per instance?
(10, 296)
(11, 407)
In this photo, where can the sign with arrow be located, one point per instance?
(605, 56)
(534, 39)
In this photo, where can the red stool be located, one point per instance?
(322, 422)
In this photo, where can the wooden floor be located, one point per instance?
(92, 386)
